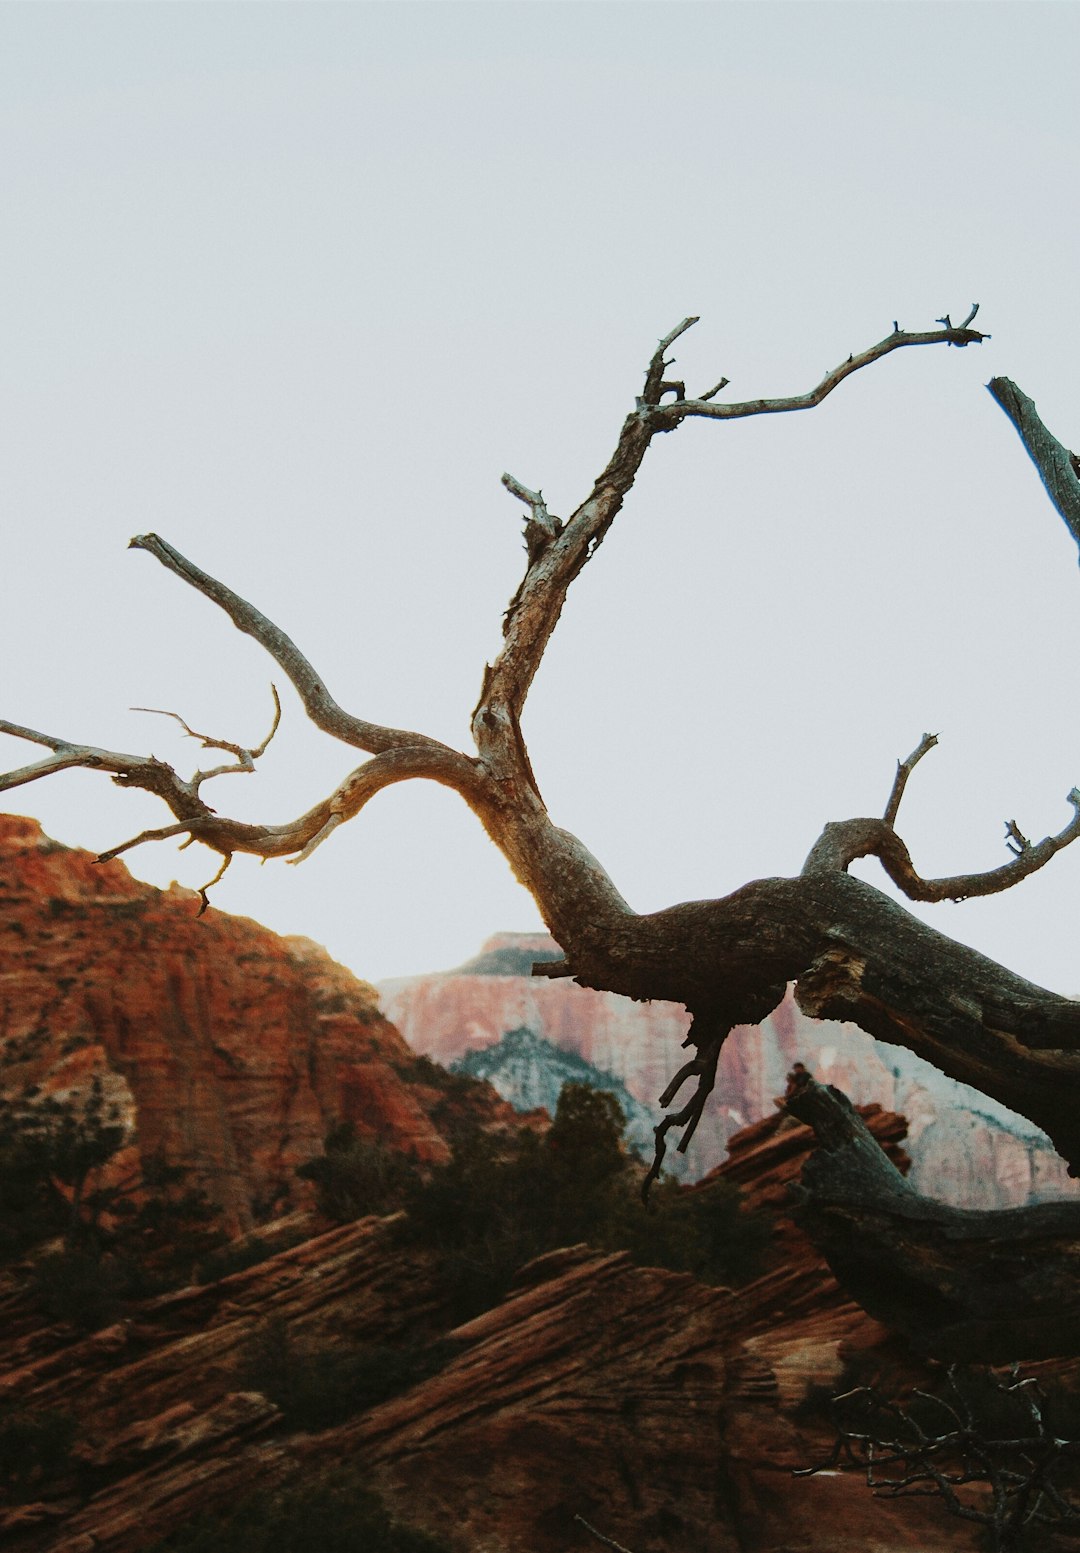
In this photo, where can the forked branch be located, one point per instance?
(899, 339)
(556, 558)
(707, 1036)
(319, 704)
(842, 842)
(245, 757)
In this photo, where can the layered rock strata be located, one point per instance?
(599, 1397)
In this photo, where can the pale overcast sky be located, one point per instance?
(293, 284)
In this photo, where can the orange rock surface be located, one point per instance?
(226, 1048)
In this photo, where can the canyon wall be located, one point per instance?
(966, 1149)
(599, 1399)
(225, 1048)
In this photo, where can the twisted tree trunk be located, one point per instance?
(851, 952)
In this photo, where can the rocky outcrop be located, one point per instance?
(965, 1149)
(663, 1414)
(225, 1048)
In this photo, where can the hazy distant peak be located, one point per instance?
(510, 954)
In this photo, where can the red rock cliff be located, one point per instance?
(225, 1047)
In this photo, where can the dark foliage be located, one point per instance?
(504, 1200)
(115, 1238)
(49, 1152)
(35, 1449)
(238, 1255)
(334, 1514)
(354, 1176)
(319, 1386)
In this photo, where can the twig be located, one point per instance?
(599, 1535)
(332, 823)
(1015, 839)
(161, 834)
(712, 393)
(320, 706)
(708, 1041)
(226, 859)
(667, 416)
(654, 377)
(904, 768)
(246, 757)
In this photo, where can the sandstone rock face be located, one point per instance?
(965, 1148)
(224, 1047)
(664, 1414)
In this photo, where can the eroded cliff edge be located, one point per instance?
(227, 1049)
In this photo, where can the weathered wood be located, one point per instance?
(961, 1285)
(1059, 468)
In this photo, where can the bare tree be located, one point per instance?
(983, 1444)
(851, 952)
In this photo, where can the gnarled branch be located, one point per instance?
(845, 945)
(245, 756)
(319, 704)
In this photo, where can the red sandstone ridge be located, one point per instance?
(228, 1049)
(666, 1414)
(965, 1149)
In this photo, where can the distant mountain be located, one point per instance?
(530, 1071)
(965, 1148)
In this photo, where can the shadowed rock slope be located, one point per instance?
(665, 1414)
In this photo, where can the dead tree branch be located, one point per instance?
(898, 340)
(1059, 468)
(245, 757)
(981, 1443)
(851, 952)
(960, 1284)
(904, 768)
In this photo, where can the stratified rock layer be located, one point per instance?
(225, 1048)
(965, 1148)
(664, 1414)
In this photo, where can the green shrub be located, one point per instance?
(81, 1287)
(337, 1513)
(504, 1199)
(705, 1231)
(500, 1202)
